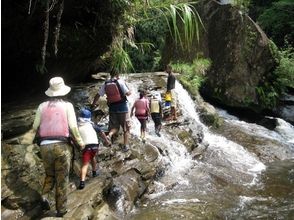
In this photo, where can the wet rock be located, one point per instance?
(16, 123)
(124, 191)
(22, 173)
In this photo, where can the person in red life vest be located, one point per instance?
(116, 91)
(141, 107)
(54, 121)
(170, 87)
(88, 131)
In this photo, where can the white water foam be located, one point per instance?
(234, 154)
(180, 201)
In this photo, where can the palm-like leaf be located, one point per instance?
(182, 19)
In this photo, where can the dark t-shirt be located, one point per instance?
(171, 81)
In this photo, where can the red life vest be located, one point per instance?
(113, 92)
(54, 123)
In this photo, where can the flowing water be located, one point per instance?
(229, 182)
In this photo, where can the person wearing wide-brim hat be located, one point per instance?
(55, 120)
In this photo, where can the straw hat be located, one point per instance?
(57, 87)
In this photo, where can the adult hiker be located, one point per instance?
(116, 91)
(89, 131)
(170, 87)
(141, 107)
(55, 120)
(156, 111)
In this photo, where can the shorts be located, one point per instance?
(117, 120)
(143, 123)
(88, 154)
(156, 117)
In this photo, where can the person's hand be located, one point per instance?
(94, 106)
(82, 148)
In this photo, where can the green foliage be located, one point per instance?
(278, 82)
(242, 4)
(285, 70)
(120, 60)
(181, 19)
(151, 35)
(192, 75)
(267, 95)
(185, 16)
(278, 22)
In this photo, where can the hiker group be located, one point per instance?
(57, 127)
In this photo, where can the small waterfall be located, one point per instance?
(223, 183)
(223, 157)
(176, 153)
(221, 151)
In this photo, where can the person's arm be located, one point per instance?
(37, 120)
(124, 87)
(96, 98)
(100, 93)
(132, 110)
(102, 135)
(73, 126)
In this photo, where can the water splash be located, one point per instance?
(227, 153)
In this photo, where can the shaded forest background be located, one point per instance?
(81, 34)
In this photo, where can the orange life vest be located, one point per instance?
(54, 123)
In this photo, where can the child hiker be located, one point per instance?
(141, 107)
(88, 133)
(156, 112)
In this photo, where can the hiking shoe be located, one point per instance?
(125, 148)
(61, 214)
(82, 185)
(157, 133)
(95, 173)
(45, 204)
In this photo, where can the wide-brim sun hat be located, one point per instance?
(57, 87)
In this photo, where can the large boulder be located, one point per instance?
(241, 56)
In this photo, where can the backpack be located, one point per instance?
(114, 92)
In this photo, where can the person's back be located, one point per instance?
(54, 121)
(170, 88)
(171, 79)
(89, 136)
(141, 107)
(154, 106)
(156, 112)
(116, 91)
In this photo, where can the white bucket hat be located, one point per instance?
(57, 87)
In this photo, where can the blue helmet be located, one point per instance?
(85, 113)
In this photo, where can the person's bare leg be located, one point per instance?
(94, 164)
(126, 138)
(106, 141)
(173, 113)
(84, 171)
(112, 132)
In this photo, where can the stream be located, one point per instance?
(229, 181)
